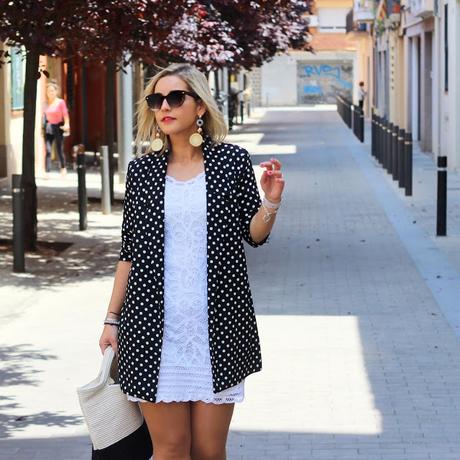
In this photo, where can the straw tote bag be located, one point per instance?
(116, 426)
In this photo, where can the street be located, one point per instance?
(355, 300)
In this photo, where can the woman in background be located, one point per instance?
(56, 122)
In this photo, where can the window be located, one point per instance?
(17, 79)
(332, 19)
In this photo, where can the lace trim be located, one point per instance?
(230, 395)
(188, 181)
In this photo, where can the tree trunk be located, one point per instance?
(84, 105)
(28, 151)
(216, 83)
(110, 118)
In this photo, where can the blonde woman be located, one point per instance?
(181, 315)
(55, 123)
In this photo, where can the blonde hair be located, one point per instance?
(54, 84)
(214, 124)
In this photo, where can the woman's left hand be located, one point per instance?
(272, 180)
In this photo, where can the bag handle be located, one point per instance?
(106, 365)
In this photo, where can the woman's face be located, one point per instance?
(181, 119)
(51, 92)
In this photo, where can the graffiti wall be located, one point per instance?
(319, 82)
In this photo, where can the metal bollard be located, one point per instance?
(351, 113)
(82, 199)
(385, 144)
(441, 211)
(373, 134)
(105, 190)
(408, 163)
(361, 125)
(390, 148)
(349, 122)
(241, 111)
(345, 112)
(394, 150)
(401, 170)
(384, 139)
(353, 119)
(18, 224)
(378, 138)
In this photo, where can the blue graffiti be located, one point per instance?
(326, 70)
(313, 89)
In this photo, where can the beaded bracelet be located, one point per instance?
(112, 322)
(270, 204)
(267, 204)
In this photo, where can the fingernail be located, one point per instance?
(270, 172)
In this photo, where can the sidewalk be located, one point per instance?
(359, 335)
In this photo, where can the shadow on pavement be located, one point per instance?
(16, 370)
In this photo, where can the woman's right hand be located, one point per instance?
(109, 336)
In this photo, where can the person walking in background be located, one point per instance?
(56, 123)
(361, 94)
(233, 101)
(181, 317)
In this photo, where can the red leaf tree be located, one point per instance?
(210, 34)
(103, 30)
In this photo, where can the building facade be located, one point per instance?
(416, 60)
(339, 62)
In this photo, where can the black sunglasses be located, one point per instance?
(175, 99)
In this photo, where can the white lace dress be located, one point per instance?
(185, 368)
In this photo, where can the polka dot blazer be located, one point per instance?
(232, 200)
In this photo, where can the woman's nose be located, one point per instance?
(165, 105)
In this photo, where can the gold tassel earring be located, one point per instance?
(196, 139)
(157, 144)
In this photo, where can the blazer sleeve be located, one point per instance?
(126, 226)
(249, 199)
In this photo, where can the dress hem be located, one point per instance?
(170, 400)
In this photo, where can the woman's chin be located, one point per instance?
(175, 132)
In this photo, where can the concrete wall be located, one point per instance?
(446, 104)
(302, 78)
(319, 82)
(363, 69)
(451, 99)
(278, 81)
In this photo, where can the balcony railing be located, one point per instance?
(364, 10)
(421, 8)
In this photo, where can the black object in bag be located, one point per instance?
(136, 446)
(116, 426)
